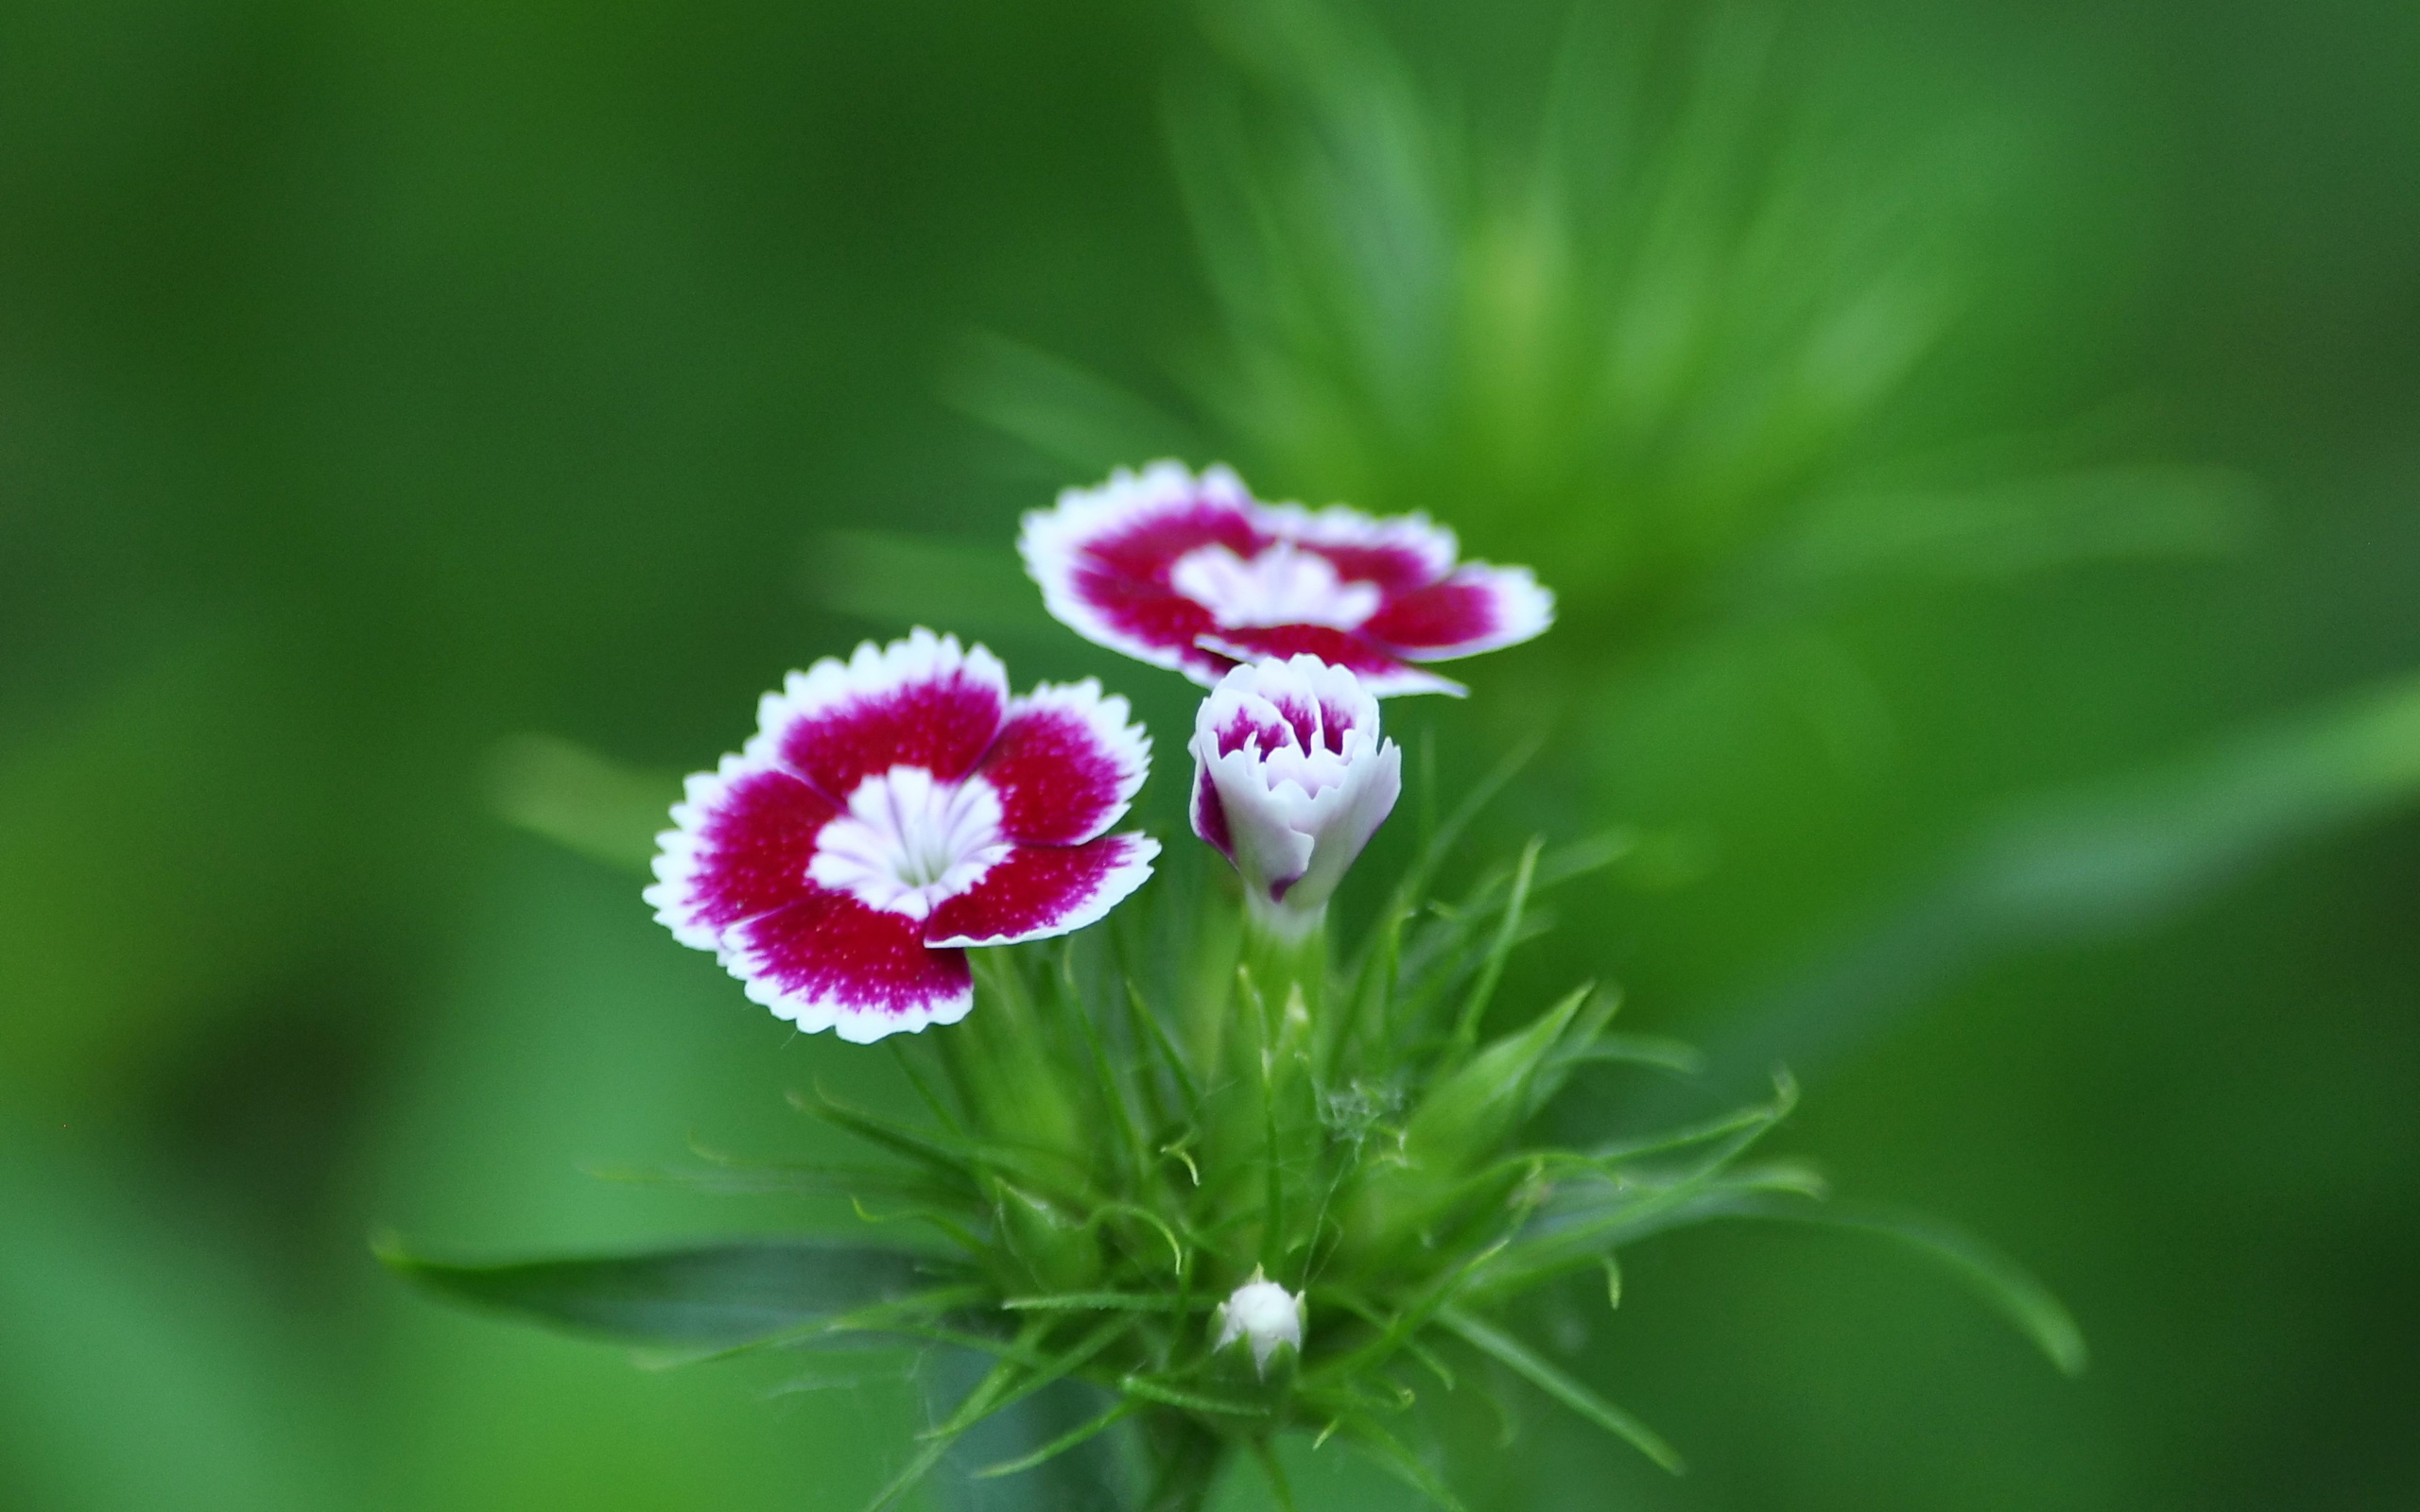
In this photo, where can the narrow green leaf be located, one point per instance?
(717, 1294)
(1044, 1370)
(1642, 1050)
(2104, 858)
(979, 1403)
(1523, 1362)
(582, 802)
(1492, 969)
(1190, 1401)
(1278, 1485)
(2004, 1285)
(1060, 1445)
(1097, 1302)
(1395, 1459)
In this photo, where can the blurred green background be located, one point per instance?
(1977, 447)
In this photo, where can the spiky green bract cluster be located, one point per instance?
(1133, 1124)
(1136, 1121)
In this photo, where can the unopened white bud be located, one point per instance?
(1264, 1313)
(1290, 779)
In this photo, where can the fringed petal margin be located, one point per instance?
(1066, 764)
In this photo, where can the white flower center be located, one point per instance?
(1282, 584)
(908, 842)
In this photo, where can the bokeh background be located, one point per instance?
(1977, 447)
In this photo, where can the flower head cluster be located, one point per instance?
(1121, 1142)
(892, 809)
(1194, 574)
(897, 808)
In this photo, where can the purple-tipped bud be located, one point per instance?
(1290, 781)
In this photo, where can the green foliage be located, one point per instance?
(717, 1293)
(1093, 1189)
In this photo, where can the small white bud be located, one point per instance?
(1265, 1313)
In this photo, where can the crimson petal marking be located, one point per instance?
(918, 703)
(744, 837)
(1042, 890)
(1102, 557)
(1066, 764)
(1210, 815)
(1398, 553)
(1479, 608)
(1383, 673)
(827, 961)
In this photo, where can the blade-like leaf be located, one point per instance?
(717, 1293)
(1523, 1362)
(580, 800)
(2089, 864)
(1070, 1439)
(2007, 1287)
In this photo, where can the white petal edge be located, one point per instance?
(870, 672)
(1341, 525)
(679, 851)
(1109, 719)
(1116, 886)
(1052, 541)
(814, 1012)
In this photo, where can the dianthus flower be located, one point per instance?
(891, 811)
(1194, 574)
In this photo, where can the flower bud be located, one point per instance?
(1290, 779)
(1263, 1314)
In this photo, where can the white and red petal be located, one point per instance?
(1193, 574)
(1397, 554)
(1478, 609)
(827, 961)
(745, 836)
(1103, 557)
(1384, 672)
(922, 702)
(1042, 890)
(1066, 764)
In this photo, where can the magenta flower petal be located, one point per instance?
(1194, 573)
(827, 961)
(891, 810)
(919, 702)
(744, 838)
(1478, 609)
(1103, 557)
(1066, 764)
(1385, 674)
(1042, 890)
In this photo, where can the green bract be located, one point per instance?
(1134, 1123)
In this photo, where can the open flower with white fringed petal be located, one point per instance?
(1194, 574)
(892, 809)
(1220, 1174)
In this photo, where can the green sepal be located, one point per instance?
(1462, 1122)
